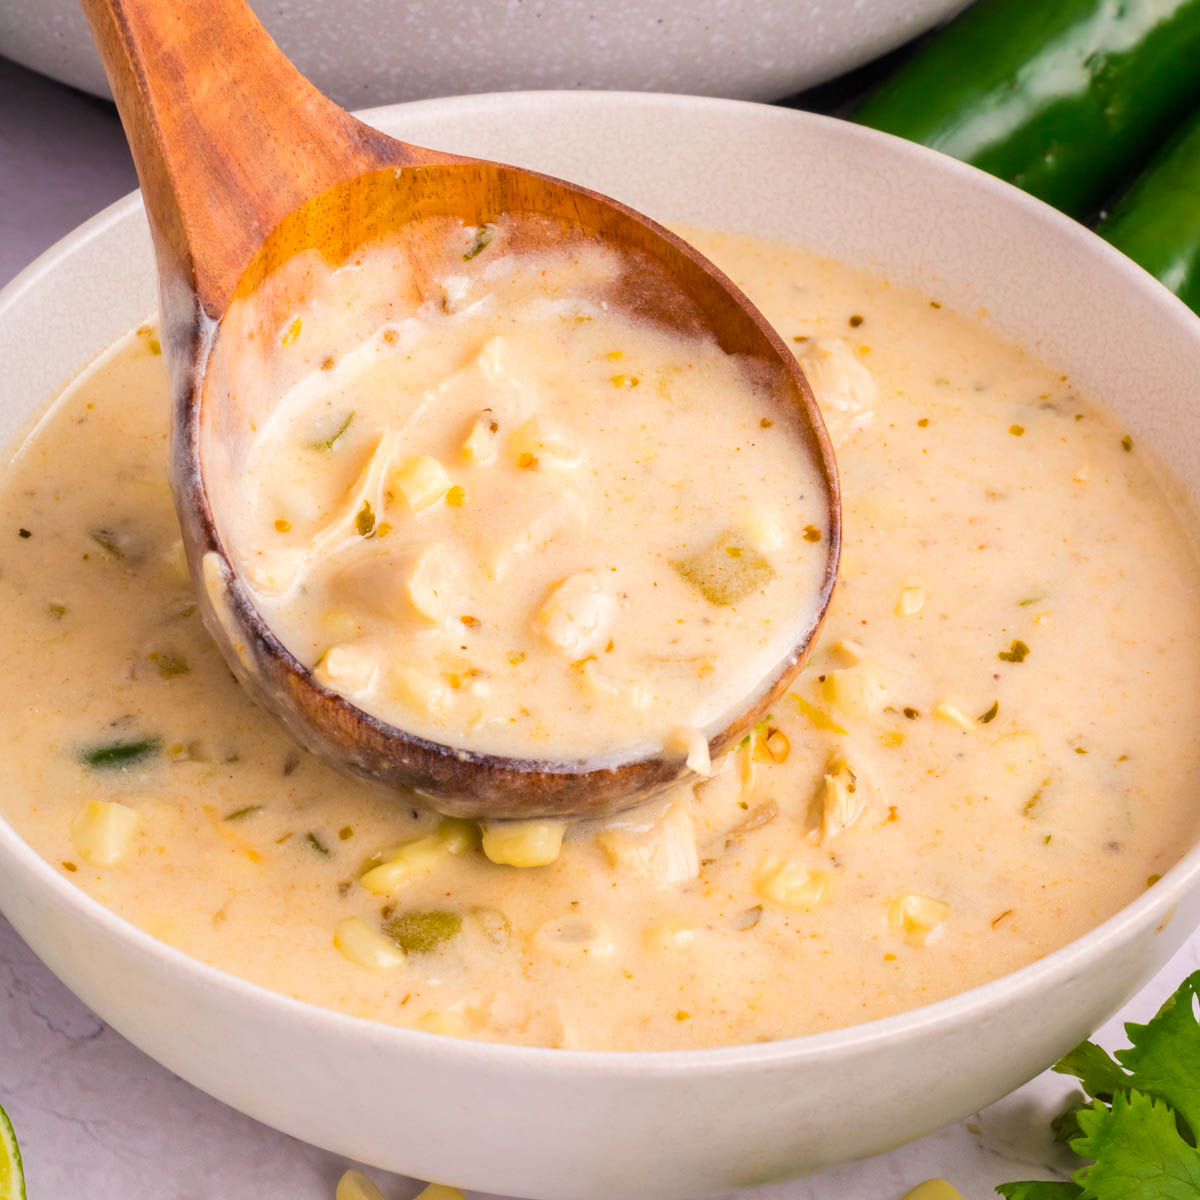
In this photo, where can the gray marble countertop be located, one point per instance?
(97, 1118)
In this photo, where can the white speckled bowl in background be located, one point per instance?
(376, 51)
(571, 1125)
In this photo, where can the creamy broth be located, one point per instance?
(994, 747)
(514, 518)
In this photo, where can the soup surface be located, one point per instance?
(993, 748)
(514, 519)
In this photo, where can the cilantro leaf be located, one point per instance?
(1095, 1069)
(1142, 1123)
(1164, 1057)
(1065, 1126)
(1138, 1151)
(1040, 1189)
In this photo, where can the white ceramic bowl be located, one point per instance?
(566, 1124)
(374, 51)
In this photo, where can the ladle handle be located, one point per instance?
(227, 136)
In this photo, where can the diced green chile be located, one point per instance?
(728, 570)
(327, 444)
(240, 814)
(483, 235)
(423, 930)
(169, 663)
(120, 755)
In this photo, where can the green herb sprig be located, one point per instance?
(120, 755)
(1139, 1121)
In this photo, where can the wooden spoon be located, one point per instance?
(244, 164)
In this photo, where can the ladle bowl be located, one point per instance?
(244, 165)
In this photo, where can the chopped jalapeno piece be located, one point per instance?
(326, 445)
(168, 663)
(109, 541)
(364, 522)
(421, 931)
(483, 235)
(117, 756)
(1015, 653)
(240, 814)
(728, 570)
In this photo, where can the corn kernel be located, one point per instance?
(440, 1191)
(1016, 751)
(481, 441)
(593, 680)
(457, 836)
(539, 441)
(669, 935)
(447, 1023)
(418, 690)
(851, 651)
(955, 715)
(402, 864)
(523, 843)
(818, 717)
(747, 763)
(366, 947)
(421, 480)
(912, 600)
(571, 937)
(341, 623)
(346, 668)
(456, 496)
(354, 1185)
(765, 527)
(101, 832)
(778, 746)
(933, 1189)
(917, 916)
(858, 690)
(690, 742)
(785, 882)
(758, 744)
(273, 572)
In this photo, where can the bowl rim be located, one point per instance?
(1156, 905)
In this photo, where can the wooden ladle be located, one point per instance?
(243, 164)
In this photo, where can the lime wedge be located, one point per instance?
(12, 1177)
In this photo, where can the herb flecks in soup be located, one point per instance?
(514, 519)
(994, 748)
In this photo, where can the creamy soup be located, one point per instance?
(514, 518)
(994, 747)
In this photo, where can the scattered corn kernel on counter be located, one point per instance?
(990, 752)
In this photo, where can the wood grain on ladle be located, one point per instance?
(243, 165)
